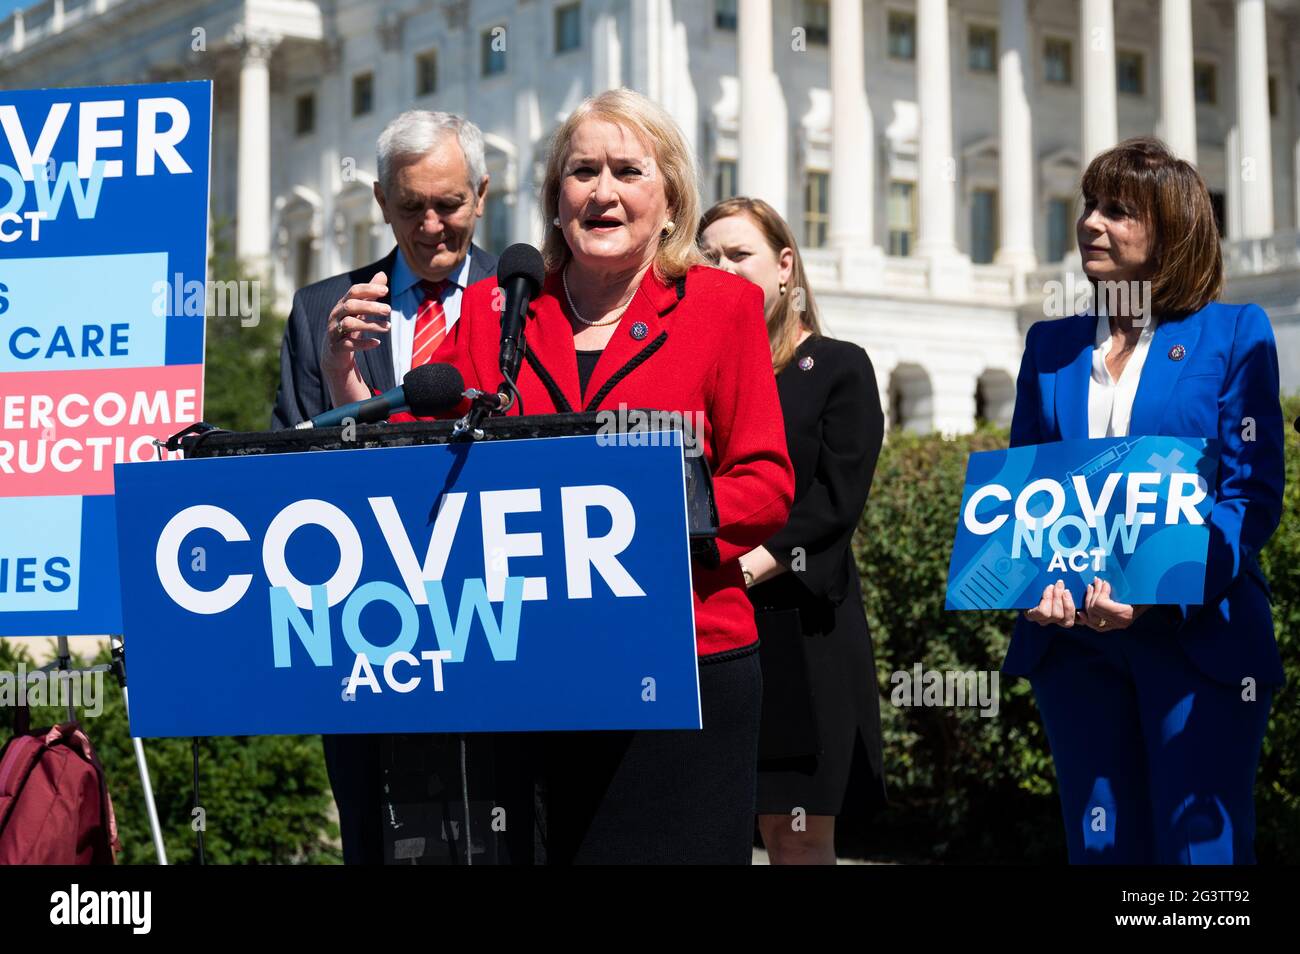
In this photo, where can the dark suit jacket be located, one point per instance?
(355, 762)
(303, 393)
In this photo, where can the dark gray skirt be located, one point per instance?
(662, 797)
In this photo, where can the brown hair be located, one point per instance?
(1169, 196)
(651, 123)
(787, 316)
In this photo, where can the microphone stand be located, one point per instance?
(484, 404)
(469, 428)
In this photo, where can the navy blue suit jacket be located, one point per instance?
(303, 393)
(1227, 378)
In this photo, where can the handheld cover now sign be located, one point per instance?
(1131, 511)
(103, 227)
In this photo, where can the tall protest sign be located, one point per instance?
(103, 267)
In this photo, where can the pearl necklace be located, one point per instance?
(564, 279)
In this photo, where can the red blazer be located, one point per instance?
(704, 348)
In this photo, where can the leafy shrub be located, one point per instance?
(1277, 788)
(242, 362)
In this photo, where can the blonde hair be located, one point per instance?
(787, 318)
(651, 123)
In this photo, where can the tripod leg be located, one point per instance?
(147, 788)
(64, 673)
(464, 790)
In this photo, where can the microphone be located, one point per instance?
(425, 392)
(519, 274)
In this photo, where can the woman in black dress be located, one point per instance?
(821, 705)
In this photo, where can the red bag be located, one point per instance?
(54, 804)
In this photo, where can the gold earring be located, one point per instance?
(668, 229)
(783, 288)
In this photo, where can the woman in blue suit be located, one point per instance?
(1156, 714)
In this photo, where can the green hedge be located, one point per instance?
(967, 788)
(242, 361)
(1277, 789)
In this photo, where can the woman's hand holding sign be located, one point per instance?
(1100, 612)
(1056, 608)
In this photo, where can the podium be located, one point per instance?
(702, 512)
(325, 581)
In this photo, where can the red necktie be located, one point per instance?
(430, 324)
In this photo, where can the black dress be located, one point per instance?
(821, 705)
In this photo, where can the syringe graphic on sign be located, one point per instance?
(1099, 463)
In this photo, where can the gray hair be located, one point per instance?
(417, 131)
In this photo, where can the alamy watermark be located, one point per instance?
(213, 299)
(951, 688)
(132, 909)
(1080, 296)
(84, 690)
(632, 427)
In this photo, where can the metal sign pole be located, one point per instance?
(146, 786)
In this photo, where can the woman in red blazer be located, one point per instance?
(630, 315)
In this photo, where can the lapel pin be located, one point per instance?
(1177, 353)
(639, 330)
(806, 363)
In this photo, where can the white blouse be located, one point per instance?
(1110, 402)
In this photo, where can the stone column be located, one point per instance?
(332, 107)
(1016, 141)
(1177, 90)
(953, 402)
(853, 176)
(526, 225)
(253, 211)
(1097, 69)
(936, 190)
(1255, 166)
(949, 271)
(606, 53)
(853, 152)
(392, 91)
(647, 48)
(763, 136)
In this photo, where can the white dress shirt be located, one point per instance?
(1110, 402)
(404, 286)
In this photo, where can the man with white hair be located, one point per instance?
(399, 796)
(380, 320)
